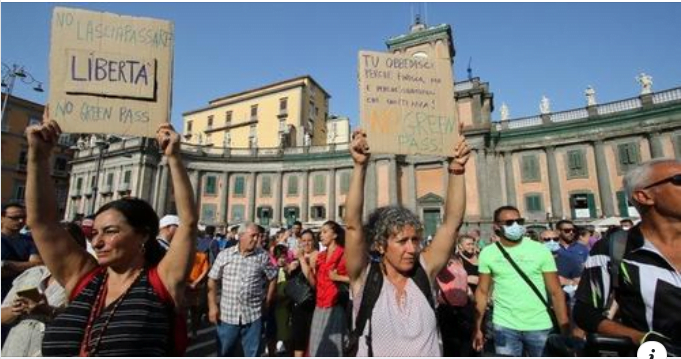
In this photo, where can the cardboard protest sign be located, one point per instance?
(407, 104)
(110, 73)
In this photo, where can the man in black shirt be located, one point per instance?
(648, 290)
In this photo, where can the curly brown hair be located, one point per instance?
(386, 221)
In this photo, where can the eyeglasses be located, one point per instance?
(546, 239)
(567, 230)
(509, 222)
(675, 180)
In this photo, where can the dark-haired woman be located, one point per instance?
(301, 314)
(128, 302)
(328, 275)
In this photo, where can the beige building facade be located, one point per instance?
(551, 166)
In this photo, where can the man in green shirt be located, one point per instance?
(521, 321)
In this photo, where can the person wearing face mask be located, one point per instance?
(626, 224)
(521, 319)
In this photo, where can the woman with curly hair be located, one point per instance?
(401, 321)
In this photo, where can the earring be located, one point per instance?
(143, 249)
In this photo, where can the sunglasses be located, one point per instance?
(675, 180)
(509, 222)
(16, 218)
(567, 230)
(546, 239)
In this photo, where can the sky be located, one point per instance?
(524, 51)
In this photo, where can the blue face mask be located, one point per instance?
(553, 246)
(514, 232)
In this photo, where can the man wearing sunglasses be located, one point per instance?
(647, 286)
(521, 319)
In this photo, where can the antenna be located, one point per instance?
(470, 70)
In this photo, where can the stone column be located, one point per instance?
(370, 188)
(224, 195)
(655, 142)
(510, 179)
(481, 174)
(162, 203)
(392, 180)
(554, 183)
(603, 176)
(278, 193)
(304, 206)
(411, 187)
(251, 197)
(331, 214)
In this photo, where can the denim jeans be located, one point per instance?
(250, 338)
(516, 343)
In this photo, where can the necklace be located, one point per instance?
(85, 348)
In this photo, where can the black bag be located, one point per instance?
(298, 289)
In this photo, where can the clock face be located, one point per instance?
(420, 54)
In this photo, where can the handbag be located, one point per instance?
(298, 289)
(549, 309)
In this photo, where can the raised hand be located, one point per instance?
(42, 138)
(359, 147)
(462, 153)
(168, 139)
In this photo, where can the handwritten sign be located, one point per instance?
(407, 104)
(110, 73)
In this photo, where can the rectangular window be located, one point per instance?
(266, 186)
(60, 164)
(345, 183)
(627, 156)
(189, 126)
(254, 112)
(576, 160)
(109, 179)
(208, 211)
(79, 184)
(319, 185)
(239, 184)
(283, 104)
(126, 177)
(264, 215)
(318, 213)
(292, 189)
(23, 159)
(211, 185)
(677, 145)
(238, 213)
(530, 168)
(19, 192)
(33, 121)
(228, 118)
(93, 184)
(210, 122)
(533, 203)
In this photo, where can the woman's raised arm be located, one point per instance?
(356, 252)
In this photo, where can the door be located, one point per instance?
(431, 219)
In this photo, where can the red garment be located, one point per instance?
(327, 290)
(453, 283)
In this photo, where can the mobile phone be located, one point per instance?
(31, 293)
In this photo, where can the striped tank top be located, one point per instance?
(144, 324)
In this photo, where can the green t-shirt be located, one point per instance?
(515, 304)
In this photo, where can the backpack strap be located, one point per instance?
(420, 277)
(372, 290)
(617, 248)
(178, 324)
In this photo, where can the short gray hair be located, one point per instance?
(243, 227)
(640, 176)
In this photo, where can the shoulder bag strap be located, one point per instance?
(372, 289)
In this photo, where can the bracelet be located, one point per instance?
(456, 171)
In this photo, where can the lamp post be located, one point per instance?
(102, 145)
(9, 76)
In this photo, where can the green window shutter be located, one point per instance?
(292, 185)
(259, 212)
(345, 183)
(534, 168)
(590, 199)
(266, 186)
(210, 185)
(126, 177)
(533, 203)
(239, 186)
(319, 185)
(573, 208)
(525, 168)
(678, 146)
(622, 203)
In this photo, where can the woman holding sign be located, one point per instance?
(127, 301)
(393, 299)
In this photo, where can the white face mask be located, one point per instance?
(553, 246)
(514, 232)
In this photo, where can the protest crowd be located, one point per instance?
(125, 282)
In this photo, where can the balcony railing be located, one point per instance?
(619, 106)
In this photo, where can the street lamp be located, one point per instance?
(102, 145)
(9, 76)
